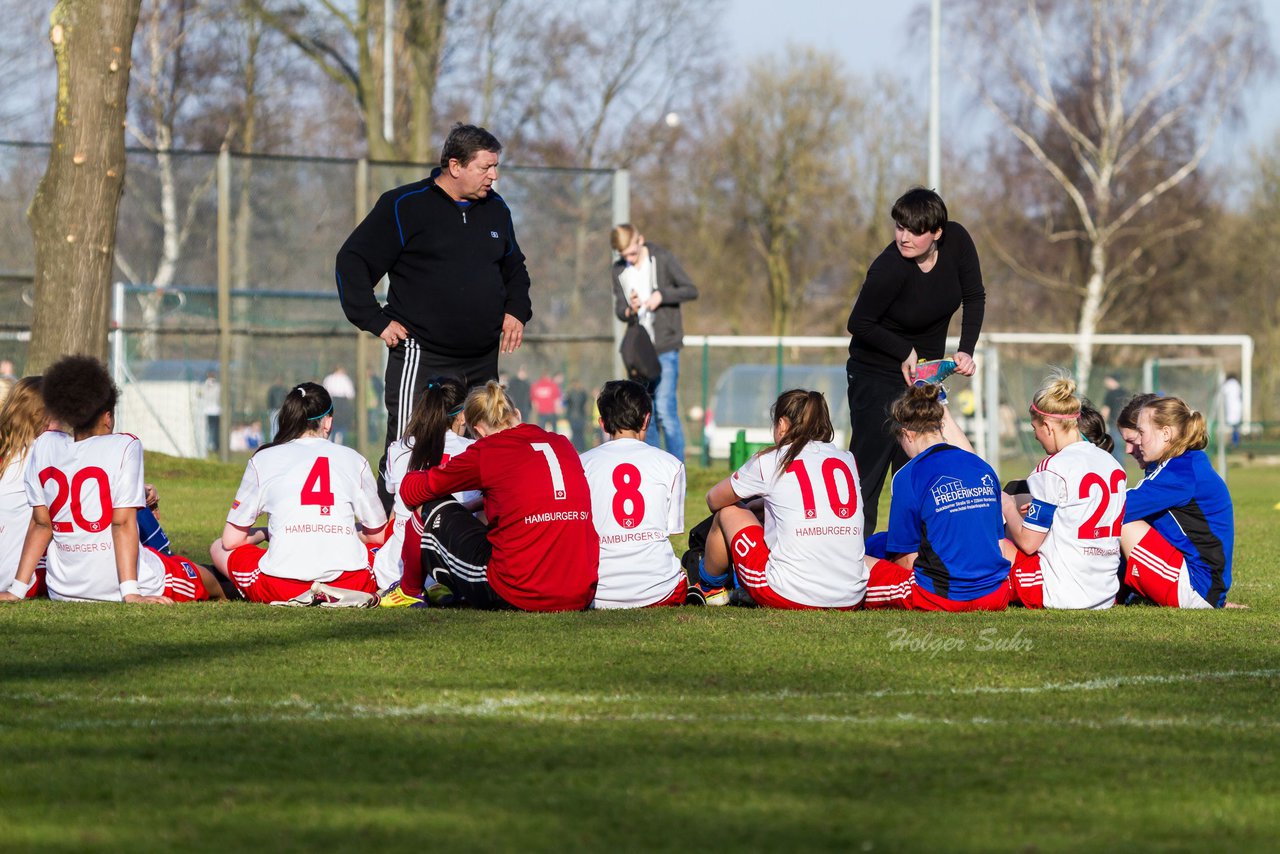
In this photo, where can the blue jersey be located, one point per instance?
(946, 507)
(1185, 500)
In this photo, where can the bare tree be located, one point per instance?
(1118, 101)
(73, 215)
(345, 41)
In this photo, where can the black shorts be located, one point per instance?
(456, 552)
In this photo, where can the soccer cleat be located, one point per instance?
(328, 596)
(701, 593)
(934, 371)
(302, 600)
(439, 596)
(394, 597)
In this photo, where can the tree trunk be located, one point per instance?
(1090, 312)
(73, 214)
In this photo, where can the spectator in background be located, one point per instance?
(649, 285)
(577, 404)
(343, 393)
(1233, 407)
(1113, 400)
(211, 406)
(6, 370)
(518, 390)
(545, 398)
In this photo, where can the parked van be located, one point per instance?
(744, 393)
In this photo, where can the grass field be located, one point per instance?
(221, 727)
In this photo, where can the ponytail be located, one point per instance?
(490, 405)
(303, 408)
(1190, 432)
(437, 406)
(810, 421)
(1094, 428)
(919, 410)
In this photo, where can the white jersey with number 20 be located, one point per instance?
(82, 483)
(315, 492)
(812, 523)
(637, 501)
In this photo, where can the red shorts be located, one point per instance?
(257, 586)
(676, 597)
(890, 587)
(996, 600)
(1158, 571)
(182, 582)
(1026, 581)
(38, 587)
(750, 557)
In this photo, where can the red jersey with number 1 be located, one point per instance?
(546, 554)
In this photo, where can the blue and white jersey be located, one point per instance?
(946, 507)
(1187, 502)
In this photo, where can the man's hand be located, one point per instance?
(909, 367)
(512, 334)
(655, 300)
(139, 599)
(965, 364)
(394, 334)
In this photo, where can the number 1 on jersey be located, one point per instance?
(553, 466)
(316, 489)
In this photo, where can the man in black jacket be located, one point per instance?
(459, 290)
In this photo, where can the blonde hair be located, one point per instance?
(620, 236)
(491, 406)
(1056, 400)
(1190, 432)
(22, 419)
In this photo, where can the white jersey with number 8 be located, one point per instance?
(637, 501)
(82, 483)
(315, 492)
(812, 523)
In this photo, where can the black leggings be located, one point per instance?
(871, 441)
(456, 552)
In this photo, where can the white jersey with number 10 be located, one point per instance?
(812, 523)
(637, 501)
(315, 493)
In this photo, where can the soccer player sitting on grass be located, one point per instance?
(809, 551)
(22, 420)
(1068, 536)
(539, 551)
(1179, 526)
(637, 501)
(945, 523)
(85, 490)
(323, 508)
(433, 436)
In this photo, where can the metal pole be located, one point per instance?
(224, 303)
(706, 400)
(621, 214)
(388, 70)
(935, 97)
(991, 405)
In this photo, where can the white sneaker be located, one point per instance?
(328, 596)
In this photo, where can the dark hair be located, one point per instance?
(303, 407)
(1128, 417)
(810, 422)
(623, 405)
(465, 142)
(434, 411)
(918, 410)
(77, 390)
(920, 210)
(1094, 427)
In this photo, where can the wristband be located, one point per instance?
(129, 588)
(21, 589)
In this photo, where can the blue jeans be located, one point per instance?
(666, 415)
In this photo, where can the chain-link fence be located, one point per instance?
(226, 295)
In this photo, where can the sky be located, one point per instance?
(882, 30)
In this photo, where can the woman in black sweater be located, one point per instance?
(900, 317)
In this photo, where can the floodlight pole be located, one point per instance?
(935, 97)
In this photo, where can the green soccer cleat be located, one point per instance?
(394, 597)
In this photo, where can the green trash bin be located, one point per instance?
(741, 450)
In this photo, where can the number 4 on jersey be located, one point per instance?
(316, 489)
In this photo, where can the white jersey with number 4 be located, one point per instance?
(387, 565)
(1077, 496)
(315, 493)
(637, 501)
(81, 483)
(812, 523)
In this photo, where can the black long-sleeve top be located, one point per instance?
(900, 308)
(454, 269)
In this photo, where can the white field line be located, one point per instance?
(540, 707)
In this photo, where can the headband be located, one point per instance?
(322, 414)
(453, 412)
(1042, 413)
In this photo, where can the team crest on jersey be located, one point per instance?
(811, 514)
(495, 235)
(324, 511)
(559, 493)
(1033, 513)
